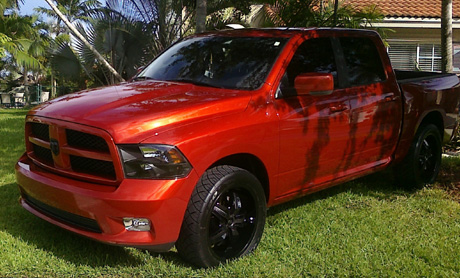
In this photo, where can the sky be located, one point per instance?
(29, 5)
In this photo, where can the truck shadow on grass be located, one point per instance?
(380, 185)
(26, 228)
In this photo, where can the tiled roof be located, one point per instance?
(407, 8)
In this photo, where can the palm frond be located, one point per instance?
(64, 61)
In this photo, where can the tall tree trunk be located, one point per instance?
(85, 41)
(200, 16)
(336, 8)
(446, 36)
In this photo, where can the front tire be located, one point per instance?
(422, 163)
(224, 219)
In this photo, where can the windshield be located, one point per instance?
(224, 62)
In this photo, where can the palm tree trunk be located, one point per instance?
(200, 16)
(446, 36)
(336, 8)
(85, 41)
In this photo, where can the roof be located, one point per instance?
(407, 8)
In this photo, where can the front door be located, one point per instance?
(314, 129)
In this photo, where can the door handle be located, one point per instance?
(338, 108)
(390, 99)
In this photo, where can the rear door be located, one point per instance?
(375, 101)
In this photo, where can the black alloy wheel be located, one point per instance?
(428, 158)
(225, 217)
(423, 161)
(232, 223)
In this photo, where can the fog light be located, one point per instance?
(136, 224)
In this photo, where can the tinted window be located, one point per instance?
(226, 62)
(313, 55)
(363, 62)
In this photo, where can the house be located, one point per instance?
(416, 40)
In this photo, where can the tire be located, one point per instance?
(421, 165)
(224, 219)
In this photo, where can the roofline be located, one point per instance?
(414, 22)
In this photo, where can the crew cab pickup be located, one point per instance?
(221, 126)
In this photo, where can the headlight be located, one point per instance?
(153, 162)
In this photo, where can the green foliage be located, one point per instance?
(220, 13)
(4, 39)
(311, 13)
(21, 40)
(128, 34)
(23, 45)
(80, 10)
(365, 228)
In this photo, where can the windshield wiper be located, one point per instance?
(194, 82)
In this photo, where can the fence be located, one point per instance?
(32, 95)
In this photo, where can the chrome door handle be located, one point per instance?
(338, 108)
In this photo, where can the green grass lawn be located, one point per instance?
(365, 228)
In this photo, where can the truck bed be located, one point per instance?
(434, 91)
(449, 80)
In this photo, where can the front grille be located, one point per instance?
(85, 140)
(78, 154)
(43, 154)
(64, 216)
(92, 166)
(41, 131)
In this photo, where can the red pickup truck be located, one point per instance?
(221, 126)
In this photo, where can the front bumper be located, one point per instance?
(97, 211)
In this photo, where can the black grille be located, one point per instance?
(85, 140)
(93, 166)
(64, 216)
(41, 131)
(43, 154)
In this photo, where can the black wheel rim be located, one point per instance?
(428, 158)
(232, 223)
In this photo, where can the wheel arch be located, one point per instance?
(435, 118)
(250, 163)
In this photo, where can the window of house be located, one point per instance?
(429, 57)
(456, 60)
(363, 63)
(415, 56)
(403, 56)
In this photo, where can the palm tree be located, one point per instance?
(22, 46)
(73, 10)
(168, 20)
(446, 36)
(121, 34)
(80, 37)
(127, 33)
(200, 16)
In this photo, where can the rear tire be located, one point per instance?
(421, 165)
(224, 219)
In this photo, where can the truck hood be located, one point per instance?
(131, 112)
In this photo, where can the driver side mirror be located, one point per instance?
(314, 84)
